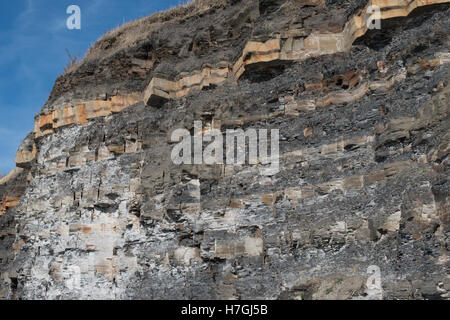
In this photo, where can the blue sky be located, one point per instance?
(33, 43)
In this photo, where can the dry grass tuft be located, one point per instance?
(133, 32)
(73, 63)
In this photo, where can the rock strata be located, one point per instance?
(359, 209)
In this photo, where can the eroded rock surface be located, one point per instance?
(97, 209)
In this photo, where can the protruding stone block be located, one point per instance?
(26, 153)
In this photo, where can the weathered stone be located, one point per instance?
(98, 210)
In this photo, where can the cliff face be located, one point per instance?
(97, 209)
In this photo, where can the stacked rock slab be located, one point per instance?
(97, 210)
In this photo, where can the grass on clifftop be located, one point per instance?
(131, 33)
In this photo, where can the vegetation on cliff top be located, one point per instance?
(131, 33)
